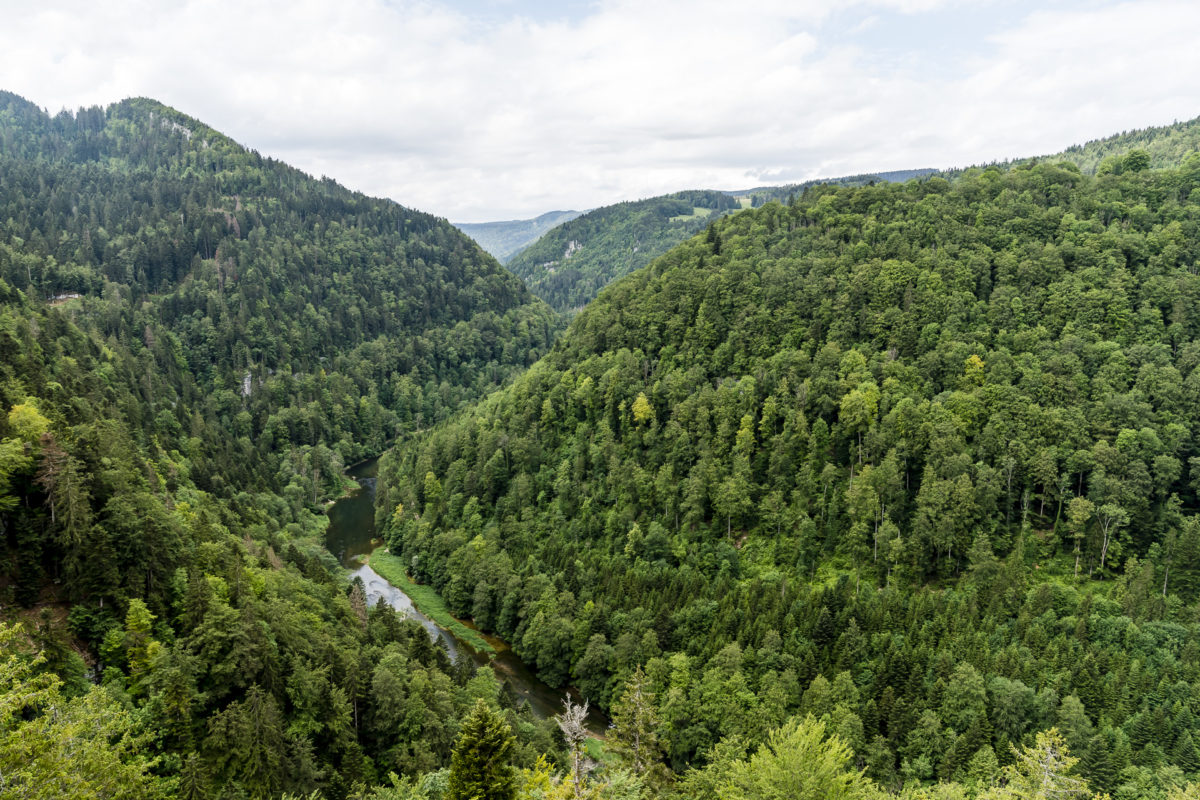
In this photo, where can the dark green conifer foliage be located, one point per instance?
(634, 734)
(480, 767)
(1183, 754)
(194, 341)
(1096, 764)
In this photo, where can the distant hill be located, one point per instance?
(505, 239)
(571, 263)
(568, 266)
(765, 194)
(1164, 146)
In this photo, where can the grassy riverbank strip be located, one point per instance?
(427, 600)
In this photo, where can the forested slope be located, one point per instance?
(193, 341)
(571, 263)
(918, 459)
(287, 311)
(1159, 146)
(784, 192)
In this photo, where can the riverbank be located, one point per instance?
(429, 602)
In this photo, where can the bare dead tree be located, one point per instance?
(572, 724)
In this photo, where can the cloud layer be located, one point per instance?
(514, 113)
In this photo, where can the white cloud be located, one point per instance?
(490, 120)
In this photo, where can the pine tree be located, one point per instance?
(248, 740)
(634, 736)
(479, 765)
(61, 477)
(358, 601)
(193, 783)
(1183, 754)
(1097, 765)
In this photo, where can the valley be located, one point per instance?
(885, 486)
(351, 537)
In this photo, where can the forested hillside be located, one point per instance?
(785, 192)
(1164, 146)
(919, 460)
(568, 265)
(193, 341)
(287, 311)
(505, 239)
(885, 489)
(1159, 146)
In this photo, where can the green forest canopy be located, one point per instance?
(571, 263)
(919, 459)
(695, 507)
(193, 341)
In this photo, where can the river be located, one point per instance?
(351, 537)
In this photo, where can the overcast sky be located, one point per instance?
(492, 109)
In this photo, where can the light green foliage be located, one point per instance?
(798, 762)
(1043, 771)
(53, 747)
(399, 789)
(643, 412)
(27, 422)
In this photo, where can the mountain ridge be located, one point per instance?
(195, 341)
(618, 239)
(505, 239)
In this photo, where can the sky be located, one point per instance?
(481, 110)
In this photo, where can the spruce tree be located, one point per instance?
(634, 736)
(193, 782)
(479, 765)
(1096, 764)
(1183, 755)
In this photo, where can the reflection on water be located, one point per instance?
(351, 531)
(351, 537)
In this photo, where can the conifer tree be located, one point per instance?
(634, 736)
(479, 765)
(1096, 763)
(193, 783)
(1183, 755)
(358, 601)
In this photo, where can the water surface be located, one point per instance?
(351, 537)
